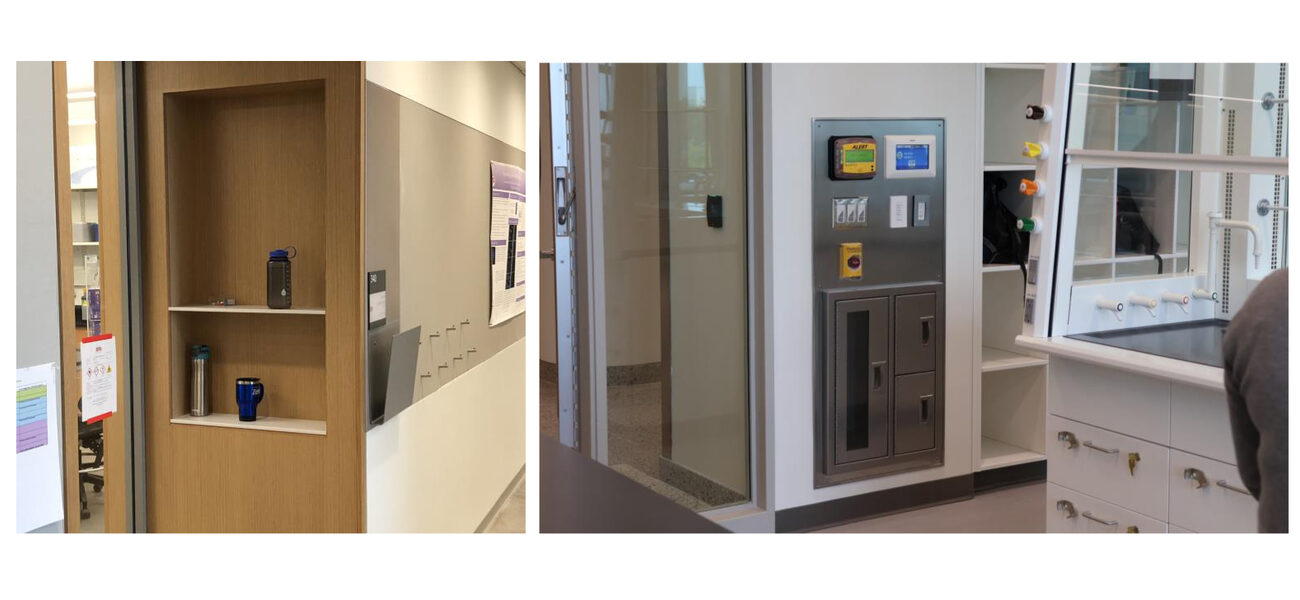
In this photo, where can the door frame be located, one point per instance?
(586, 208)
(119, 254)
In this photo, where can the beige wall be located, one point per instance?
(630, 189)
(545, 281)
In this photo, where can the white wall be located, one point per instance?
(442, 464)
(488, 96)
(37, 250)
(801, 93)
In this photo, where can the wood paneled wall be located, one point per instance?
(207, 479)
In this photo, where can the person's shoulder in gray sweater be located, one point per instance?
(1254, 374)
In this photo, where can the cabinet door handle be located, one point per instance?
(1067, 507)
(1196, 475)
(1071, 442)
(1089, 444)
(925, 408)
(1227, 486)
(926, 326)
(878, 375)
(1109, 523)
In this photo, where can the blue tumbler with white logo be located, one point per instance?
(248, 394)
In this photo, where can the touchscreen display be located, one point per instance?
(912, 157)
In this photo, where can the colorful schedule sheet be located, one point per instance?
(33, 418)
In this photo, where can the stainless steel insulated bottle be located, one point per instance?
(200, 386)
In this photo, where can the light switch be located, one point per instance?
(920, 211)
(899, 207)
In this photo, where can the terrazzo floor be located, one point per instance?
(635, 427)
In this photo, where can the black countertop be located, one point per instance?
(1198, 342)
(580, 495)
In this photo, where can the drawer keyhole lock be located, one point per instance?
(1067, 507)
(1133, 459)
(1071, 442)
(1196, 475)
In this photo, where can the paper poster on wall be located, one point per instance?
(39, 462)
(98, 377)
(506, 243)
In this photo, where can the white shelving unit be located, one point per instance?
(281, 424)
(247, 309)
(1011, 400)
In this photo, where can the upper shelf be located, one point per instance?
(1025, 66)
(988, 167)
(247, 309)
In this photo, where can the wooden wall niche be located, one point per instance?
(238, 159)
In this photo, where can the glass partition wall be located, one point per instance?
(673, 203)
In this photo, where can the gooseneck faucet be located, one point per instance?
(1218, 222)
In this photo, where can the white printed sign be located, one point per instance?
(98, 377)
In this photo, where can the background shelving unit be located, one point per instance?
(238, 159)
(1012, 386)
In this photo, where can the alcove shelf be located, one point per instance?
(280, 424)
(247, 309)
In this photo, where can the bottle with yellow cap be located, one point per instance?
(1034, 150)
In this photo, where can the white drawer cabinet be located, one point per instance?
(1096, 462)
(1069, 511)
(1111, 399)
(1198, 423)
(1185, 477)
(1207, 496)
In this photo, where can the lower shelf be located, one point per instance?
(281, 424)
(995, 454)
(993, 359)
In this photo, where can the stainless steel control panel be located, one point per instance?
(878, 272)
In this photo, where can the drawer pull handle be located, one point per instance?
(1067, 507)
(1088, 515)
(1071, 442)
(878, 370)
(1227, 486)
(1197, 475)
(1089, 444)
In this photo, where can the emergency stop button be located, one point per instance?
(851, 260)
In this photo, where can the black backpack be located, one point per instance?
(1003, 243)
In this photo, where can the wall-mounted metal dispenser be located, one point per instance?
(878, 272)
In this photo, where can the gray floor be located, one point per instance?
(1008, 510)
(510, 517)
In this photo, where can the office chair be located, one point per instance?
(90, 444)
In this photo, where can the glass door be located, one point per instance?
(665, 210)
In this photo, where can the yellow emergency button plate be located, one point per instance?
(851, 260)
